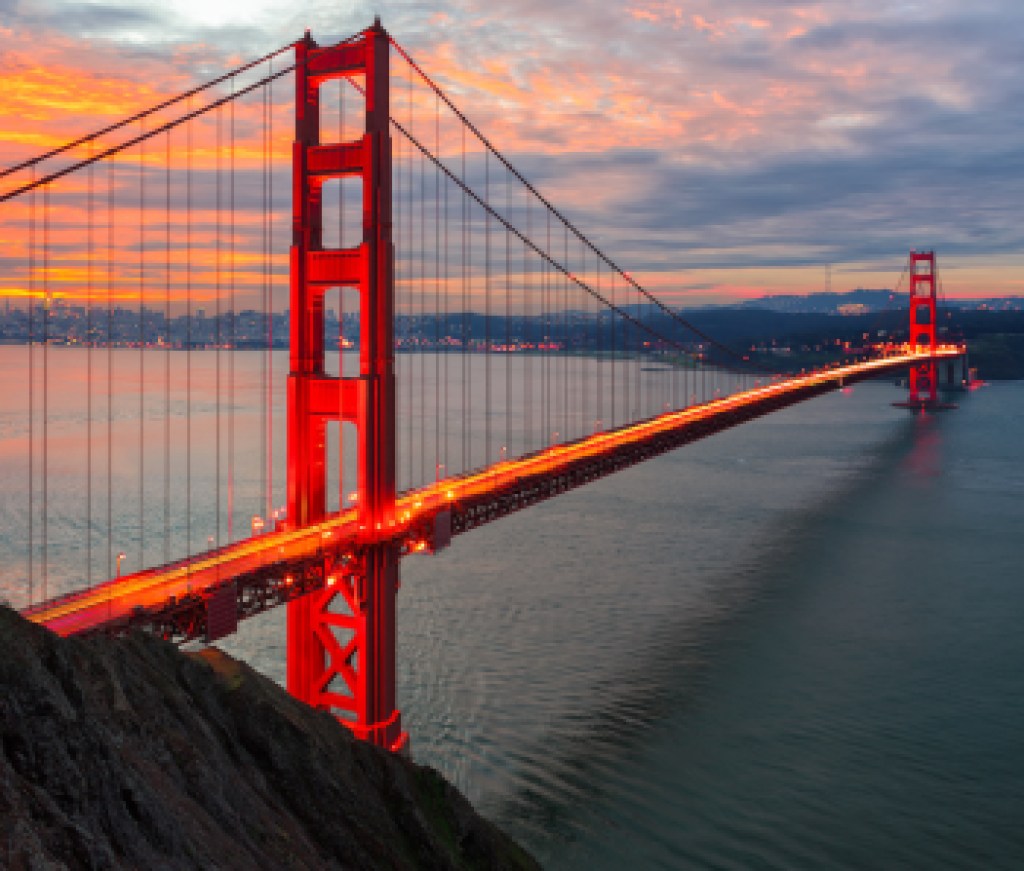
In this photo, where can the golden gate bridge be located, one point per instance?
(489, 356)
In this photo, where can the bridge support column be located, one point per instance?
(924, 374)
(341, 639)
(923, 314)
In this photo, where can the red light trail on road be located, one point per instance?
(112, 602)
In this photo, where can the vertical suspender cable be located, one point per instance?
(465, 314)
(566, 354)
(270, 293)
(447, 330)
(406, 246)
(45, 558)
(142, 355)
(437, 289)
(233, 317)
(625, 360)
(676, 366)
(542, 284)
(546, 334)
(638, 366)
(595, 355)
(488, 456)
(687, 378)
(265, 282)
(599, 417)
(111, 202)
(188, 341)
(218, 314)
(508, 317)
(614, 356)
(90, 341)
(703, 378)
(585, 386)
(470, 291)
(341, 302)
(31, 389)
(670, 358)
(167, 347)
(527, 331)
(401, 316)
(542, 363)
(602, 349)
(423, 312)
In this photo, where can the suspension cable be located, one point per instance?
(265, 290)
(145, 113)
(111, 202)
(188, 348)
(572, 227)
(142, 353)
(218, 316)
(45, 567)
(270, 294)
(545, 257)
(31, 393)
(167, 349)
(90, 250)
(135, 140)
(232, 327)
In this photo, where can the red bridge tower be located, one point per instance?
(341, 639)
(923, 313)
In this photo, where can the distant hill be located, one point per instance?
(864, 301)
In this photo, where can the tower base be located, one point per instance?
(923, 405)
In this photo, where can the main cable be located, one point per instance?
(145, 113)
(575, 279)
(576, 231)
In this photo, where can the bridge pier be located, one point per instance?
(954, 375)
(341, 638)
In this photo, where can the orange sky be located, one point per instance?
(752, 174)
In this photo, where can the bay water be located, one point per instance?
(795, 644)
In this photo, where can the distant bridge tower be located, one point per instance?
(341, 639)
(925, 376)
(923, 315)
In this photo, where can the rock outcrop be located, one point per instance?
(130, 754)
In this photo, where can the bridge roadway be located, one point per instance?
(189, 598)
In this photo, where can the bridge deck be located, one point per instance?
(272, 568)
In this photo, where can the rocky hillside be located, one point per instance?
(130, 754)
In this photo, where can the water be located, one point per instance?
(793, 645)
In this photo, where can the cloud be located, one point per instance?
(695, 136)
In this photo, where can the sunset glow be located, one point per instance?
(719, 153)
